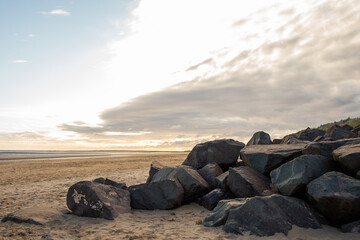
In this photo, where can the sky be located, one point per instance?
(168, 74)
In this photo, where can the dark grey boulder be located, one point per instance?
(224, 152)
(107, 181)
(336, 196)
(337, 132)
(325, 148)
(192, 182)
(154, 168)
(221, 181)
(210, 200)
(277, 141)
(247, 182)
(353, 227)
(165, 194)
(91, 199)
(262, 216)
(292, 177)
(209, 173)
(260, 138)
(348, 156)
(291, 139)
(311, 134)
(265, 158)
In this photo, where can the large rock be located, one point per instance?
(247, 182)
(325, 148)
(348, 156)
(107, 181)
(292, 177)
(192, 182)
(336, 132)
(260, 138)
(209, 173)
(291, 139)
(223, 152)
(210, 200)
(91, 199)
(353, 227)
(265, 158)
(154, 168)
(165, 194)
(262, 216)
(311, 134)
(336, 196)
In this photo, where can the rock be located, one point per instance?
(110, 182)
(192, 182)
(325, 148)
(247, 182)
(221, 181)
(38, 215)
(348, 156)
(310, 134)
(336, 196)
(336, 132)
(260, 138)
(292, 177)
(209, 173)
(277, 141)
(353, 227)
(290, 139)
(223, 152)
(165, 194)
(265, 158)
(91, 199)
(210, 200)
(262, 216)
(154, 168)
(356, 130)
(318, 139)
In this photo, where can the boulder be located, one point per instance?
(277, 141)
(154, 168)
(336, 132)
(353, 227)
(265, 158)
(310, 134)
(192, 182)
(247, 182)
(291, 139)
(260, 138)
(336, 196)
(165, 194)
(224, 152)
(209, 173)
(107, 181)
(292, 177)
(210, 200)
(221, 181)
(262, 216)
(348, 156)
(91, 199)
(325, 148)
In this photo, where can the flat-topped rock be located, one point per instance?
(265, 158)
(348, 156)
(224, 152)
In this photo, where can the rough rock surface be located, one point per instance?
(154, 168)
(262, 216)
(210, 200)
(290, 139)
(107, 181)
(260, 138)
(165, 194)
(192, 182)
(336, 132)
(325, 148)
(247, 182)
(353, 227)
(221, 181)
(265, 158)
(311, 134)
(209, 173)
(91, 199)
(336, 196)
(348, 156)
(292, 177)
(223, 152)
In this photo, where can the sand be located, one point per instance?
(39, 188)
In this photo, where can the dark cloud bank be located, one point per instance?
(315, 78)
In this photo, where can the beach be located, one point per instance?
(40, 187)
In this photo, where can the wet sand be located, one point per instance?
(41, 186)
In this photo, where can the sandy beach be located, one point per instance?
(40, 186)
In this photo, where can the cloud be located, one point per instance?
(196, 66)
(31, 35)
(19, 61)
(61, 12)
